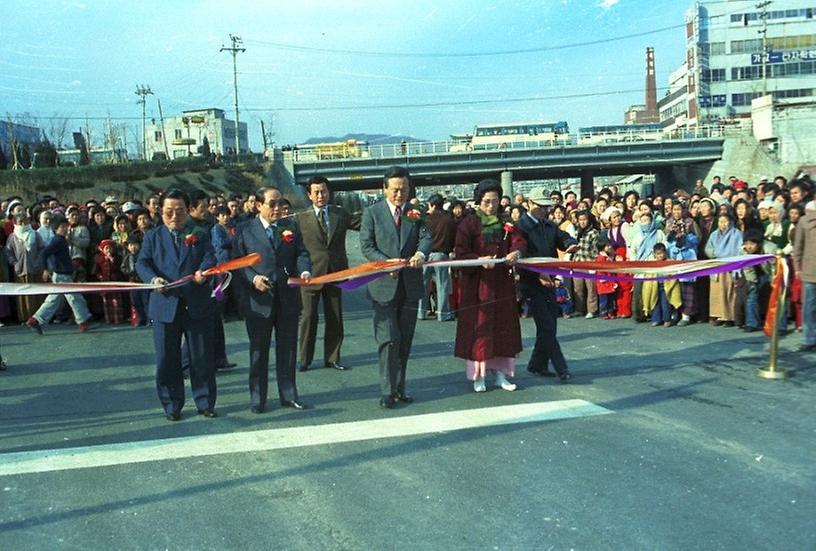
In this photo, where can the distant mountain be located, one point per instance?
(371, 139)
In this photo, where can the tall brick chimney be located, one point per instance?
(650, 114)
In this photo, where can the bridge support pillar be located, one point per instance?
(507, 183)
(587, 183)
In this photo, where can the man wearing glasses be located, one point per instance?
(387, 232)
(544, 239)
(268, 302)
(169, 253)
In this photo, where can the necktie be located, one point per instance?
(324, 221)
(397, 216)
(270, 233)
(176, 239)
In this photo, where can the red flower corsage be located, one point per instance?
(287, 236)
(508, 229)
(414, 215)
(190, 240)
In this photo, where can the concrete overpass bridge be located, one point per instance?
(446, 163)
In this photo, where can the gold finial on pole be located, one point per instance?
(772, 371)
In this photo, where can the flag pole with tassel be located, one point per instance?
(776, 309)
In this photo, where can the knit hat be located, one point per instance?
(106, 243)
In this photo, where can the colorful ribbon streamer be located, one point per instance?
(14, 289)
(645, 270)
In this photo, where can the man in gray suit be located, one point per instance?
(386, 232)
(268, 300)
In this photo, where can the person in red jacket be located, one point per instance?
(606, 289)
(109, 268)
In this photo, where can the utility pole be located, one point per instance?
(164, 134)
(237, 46)
(765, 53)
(143, 91)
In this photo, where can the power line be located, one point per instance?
(296, 47)
(449, 103)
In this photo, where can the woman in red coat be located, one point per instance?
(488, 335)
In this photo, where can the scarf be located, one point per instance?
(27, 236)
(725, 244)
(491, 225)
(646, 246)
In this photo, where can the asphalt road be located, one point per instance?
(694, 452)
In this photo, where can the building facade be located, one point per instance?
(183, 135)
(24, 135)
(739, 50)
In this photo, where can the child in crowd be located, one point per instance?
(584, 294)
(138, 299)
(661, 299)
(606, 289)
(121, 229)
(562, 297)
(108, 268)
(757, 281)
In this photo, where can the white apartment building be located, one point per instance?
(183, 134)
(730, 43)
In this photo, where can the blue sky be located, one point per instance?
(74, 58)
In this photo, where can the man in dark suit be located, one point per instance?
(387, 231)
(268, 302)
(171, 251)
(324, 229)
(543, 239)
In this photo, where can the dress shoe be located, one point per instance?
(293, 404)
(404, 398)
(388, 402)
(303, 367)
(174, 416)
(335, 365)
(208, 412)
(564, 377)
(258, 409)
(545, 373)
(750, 329)
(807, 348)
(228, 366)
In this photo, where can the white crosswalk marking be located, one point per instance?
(40, 461)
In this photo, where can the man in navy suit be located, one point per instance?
(268, 302)
(171, 251)
(386, 232)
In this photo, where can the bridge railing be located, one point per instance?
(419, 149)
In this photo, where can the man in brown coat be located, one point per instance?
(324, 229)
(804, 261)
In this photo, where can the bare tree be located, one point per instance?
(57, 130)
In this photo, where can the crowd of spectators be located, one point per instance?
(718, 220)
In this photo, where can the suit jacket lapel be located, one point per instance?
(333, 220)
(405, 227)
(184, 249)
